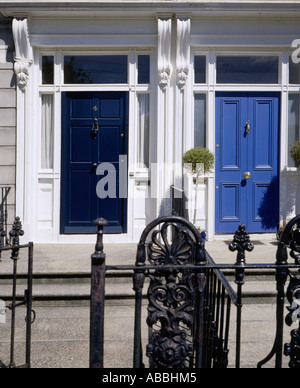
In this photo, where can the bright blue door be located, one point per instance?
(94, 131)
(247, 163)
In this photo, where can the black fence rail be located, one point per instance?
(219, 299)
(12, 253)
(4, 238)
(189, 299)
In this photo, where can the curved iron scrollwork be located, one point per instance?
(293, 296)
(290, 238)
(171, 296)
(172, 293)
(295, 244)
(292, 349)
(177, 252)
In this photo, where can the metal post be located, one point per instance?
(241, 243)
(15, 234)
(28, 300)
(138, 284)
(97, 299)
(201, 279)
(138, 279)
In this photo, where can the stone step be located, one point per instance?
(77, 287)
(60, 335)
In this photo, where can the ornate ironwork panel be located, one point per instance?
(173, 294)
(292, 349)
(189, 298)
(289, 240)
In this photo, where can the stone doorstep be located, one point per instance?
(63, 270)
(115, 288)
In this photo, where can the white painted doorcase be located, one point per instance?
(190, 52)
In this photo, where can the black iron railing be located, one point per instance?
(12, 253)
(219, 299)
(190, 300)
(4, 239)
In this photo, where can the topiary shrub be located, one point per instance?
(295, 153)
(199, 155)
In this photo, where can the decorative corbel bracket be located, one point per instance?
(183, 51)
(164, 51)
(24, 54)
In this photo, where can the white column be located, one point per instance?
(182, 114)
(286, 192)
(211, 144)
(23, 62)
(162, 174)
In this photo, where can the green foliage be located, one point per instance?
(199, 155)
(295, 153)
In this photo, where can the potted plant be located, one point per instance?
(198, 161)
(295, 153)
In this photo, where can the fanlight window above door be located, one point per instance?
(107, 69)
(247, 70)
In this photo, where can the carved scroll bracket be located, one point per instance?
(24, 54)
(183, 51)
(164, 51)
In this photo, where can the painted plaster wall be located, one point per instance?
(139, 29)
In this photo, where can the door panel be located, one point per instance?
(110, 108)
(230, 202)
(83, 151)
(80, 186)
(82, 154)
(81, 108)
(263, 135)
(229, 135)
(259, 190)
(109, 138)
(247, 140)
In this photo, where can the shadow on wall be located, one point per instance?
(268, 210)
(290, 203)
(7, 44)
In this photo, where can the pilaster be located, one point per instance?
(23, 61)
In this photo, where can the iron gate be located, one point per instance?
(12, 253)
(190, 300)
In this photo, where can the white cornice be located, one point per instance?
(96, 8)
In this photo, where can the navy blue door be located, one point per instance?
(247, 163)
(94, 131)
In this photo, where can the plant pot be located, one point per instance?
(199, 219)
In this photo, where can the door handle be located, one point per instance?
(95, 128)
(247, 175)
(248, 127)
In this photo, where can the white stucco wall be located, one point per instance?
(259, 27)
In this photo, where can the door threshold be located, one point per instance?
(91, 239)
